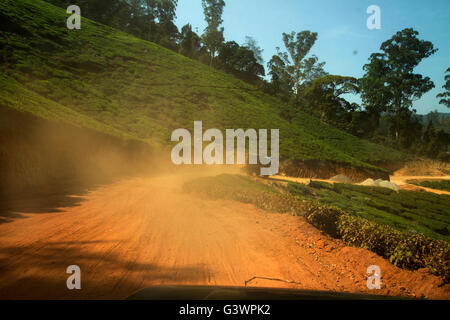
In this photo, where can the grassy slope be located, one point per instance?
(103, 79)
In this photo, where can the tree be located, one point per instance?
(432, 116)
(324, 99)
(404, 128)
(166, 10)
(362, 124)
(166, 13)
(445, 95)
(389, 84)
(159, 26)
(150, 20)
(298, 46)
(435, 143)
(281, 80)
(139, 23)
(311, 70)
(293, 67)
(213, 36)
(429, 133)
(252, 44)
(190, 44)
(240, 61)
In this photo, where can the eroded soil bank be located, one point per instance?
(315, 169)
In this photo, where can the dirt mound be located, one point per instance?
(341, 178)
(380, 183)
(369, 182)
(389, 185)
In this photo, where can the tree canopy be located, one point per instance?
(291, 71)
(389, 84)
(445, 96)
(213, 35)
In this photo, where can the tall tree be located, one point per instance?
(166, 13)
(445, 96)
(160, 15)
(252, 44)
(213, 36)
(138, 20)
(190, 43)
(298, 46)
(389, 84)
(299, 69)
(150, 16)
(280, 78)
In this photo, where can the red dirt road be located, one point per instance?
(145, 231)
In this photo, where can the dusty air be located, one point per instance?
(214, 152)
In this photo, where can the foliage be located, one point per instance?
(213, 36)
(439, 185)
(446, 94)
(291, 71)
(435, 142)
(148, 19)
(407, 211)
(428, 135)
(281, 81)
(240, 61)
(405, 250)
(323, 99)
(252, 45)
(389, 84)
(190, 43)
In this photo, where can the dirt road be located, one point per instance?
(402, 181)
(145, 231)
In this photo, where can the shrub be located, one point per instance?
(324, 218)
(406, 250)
(410, 251)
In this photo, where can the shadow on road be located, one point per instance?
(52, 200)
(104, 274)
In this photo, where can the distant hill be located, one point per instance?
(105, 80)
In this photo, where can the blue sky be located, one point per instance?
(341, 25)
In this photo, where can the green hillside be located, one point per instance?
(106, 80)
